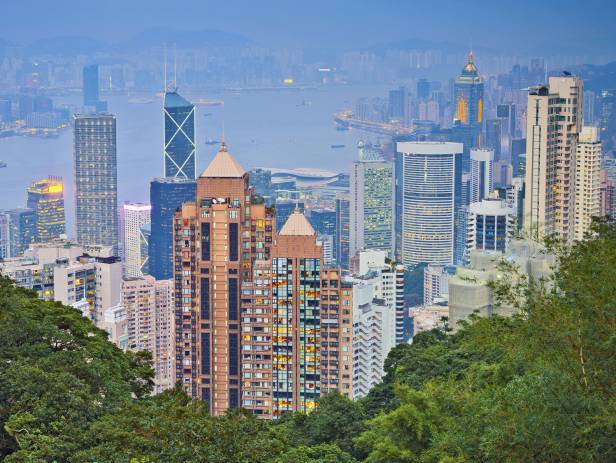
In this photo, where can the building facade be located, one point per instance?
(492, 223)
(96, 185)
(166, 196)
(180, 149)
(482, 174)
(468, 98)
(150, 324)
(342, 232)
(428, 192)
(587, 181)
(46, 198)
(136, 215)
(553, 122)
(372, 206)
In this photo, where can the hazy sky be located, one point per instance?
(502, 24)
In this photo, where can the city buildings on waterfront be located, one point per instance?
(46, 199)
(427, 193)
(96, 185)
(136, 215)
(180, 158)
(166, 196)
(554, 121)
(372, 206)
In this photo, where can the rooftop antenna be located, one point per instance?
(175, 67)
(223, 144)
(165, 69)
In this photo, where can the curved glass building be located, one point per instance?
(428, 193)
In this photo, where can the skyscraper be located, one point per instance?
(429, 191)
(494, 136)
(90, 85)
(372, 206)
(151, 324)
(296, 264)
(91, 96)
(468, 97)
(587, 181)
(342, 231)
(482, 174)
(213, 254)
(180, 148)
(5, 235)
(46, 198)
(96, 185)
(248, 303)
(553, 123)
(166, 196)
(22, 230)
(136, 215)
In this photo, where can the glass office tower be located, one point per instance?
(46, 198)
(180, 159)
(430, 192)
(166, 196)
(96, 183)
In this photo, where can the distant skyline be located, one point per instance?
(523, 27)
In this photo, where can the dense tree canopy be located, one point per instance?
(539, 386)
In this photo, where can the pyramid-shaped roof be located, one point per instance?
(174, 100)
(224, 165)
(297, 225)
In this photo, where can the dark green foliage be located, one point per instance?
(171, 427)
(337, 420)
(58, 373)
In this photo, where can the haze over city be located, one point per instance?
(307, 232)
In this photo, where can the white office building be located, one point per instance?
(136, 215)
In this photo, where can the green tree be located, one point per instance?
(171, 427)
(58, 373)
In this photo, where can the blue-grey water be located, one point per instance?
(287, 129)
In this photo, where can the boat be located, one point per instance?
(342, 128)
(337, 146)
(140, 100)
(210, 141)
(2, 164)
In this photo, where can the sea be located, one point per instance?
(286, 128)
